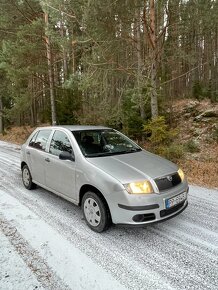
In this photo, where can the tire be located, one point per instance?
(96, 212)
(27, 178)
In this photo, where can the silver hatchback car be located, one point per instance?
(106, 173)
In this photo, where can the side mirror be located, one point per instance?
(66, 156)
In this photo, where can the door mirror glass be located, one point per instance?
(66, 156)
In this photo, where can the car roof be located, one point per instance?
(76, 127)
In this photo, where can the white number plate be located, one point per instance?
(175, 200)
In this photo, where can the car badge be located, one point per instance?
(169, 178)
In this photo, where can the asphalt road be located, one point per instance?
(50, 236)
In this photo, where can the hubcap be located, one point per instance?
(92, 212)
(26, 177)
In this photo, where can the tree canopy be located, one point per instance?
(117, 63)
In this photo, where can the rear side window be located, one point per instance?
(33, 139)
(60, 143)
(40, 139)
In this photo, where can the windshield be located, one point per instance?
(96, 143)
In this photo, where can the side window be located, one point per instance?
(40, 139)
(60, 143)
(33, 139)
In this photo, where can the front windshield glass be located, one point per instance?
(96, 143)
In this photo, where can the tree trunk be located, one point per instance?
(1, 116)
(63, 35)
(50, 74)
(139, 63)
(154, 104)
(151, 38)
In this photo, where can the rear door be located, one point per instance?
(60, 174)
(36, 155)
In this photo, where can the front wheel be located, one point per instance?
(27, 178)
(95, 212)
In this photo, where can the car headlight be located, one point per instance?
(181, 174)
(141, 187)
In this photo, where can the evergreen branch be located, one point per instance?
(182, 75)
(146, 28)
(21, 12)
(58, 10)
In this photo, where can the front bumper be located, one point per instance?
(144, 209)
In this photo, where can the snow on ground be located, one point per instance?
(71, 265)
(14, 274)
(45, 243)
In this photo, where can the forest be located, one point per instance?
(147, 68)
(118, 63)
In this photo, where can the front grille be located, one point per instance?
(166, 212)
(166, 182)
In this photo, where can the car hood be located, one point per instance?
(134, 166)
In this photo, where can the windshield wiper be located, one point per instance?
(132, 150)
(103, 154)
(99, 154)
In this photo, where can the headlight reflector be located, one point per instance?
(140, 187)
(181, 174)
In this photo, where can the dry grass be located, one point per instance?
(17, 135)
(204, 173)
(200, 167)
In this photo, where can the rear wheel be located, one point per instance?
(27, 178)
(95, 212)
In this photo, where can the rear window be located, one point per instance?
(40, 139)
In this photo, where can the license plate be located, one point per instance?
(175, 200)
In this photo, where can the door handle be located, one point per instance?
(28, 152)
(47, 159)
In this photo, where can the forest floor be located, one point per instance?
(197, 123)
